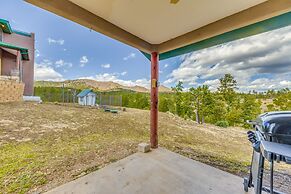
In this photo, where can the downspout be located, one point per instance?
(19, 66)
(21, 71)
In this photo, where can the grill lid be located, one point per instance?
(277, 125)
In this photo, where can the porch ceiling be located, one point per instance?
(162, 26)
(23, 51)
(159, 21)
(11, 51)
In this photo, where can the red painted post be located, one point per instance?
(154, 99)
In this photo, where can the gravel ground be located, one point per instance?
(282, 180)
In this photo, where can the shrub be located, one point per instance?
(223, 124)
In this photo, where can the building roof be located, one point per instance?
(173, 27)
(6, 28)
(84, 93)
(22, 33)
(23, 51)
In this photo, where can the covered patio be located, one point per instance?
(160, 30)
(159, 171)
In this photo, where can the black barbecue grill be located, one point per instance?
(271, 140)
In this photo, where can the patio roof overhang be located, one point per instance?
(167, 27)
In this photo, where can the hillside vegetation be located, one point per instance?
(96, 85)
(224, 107)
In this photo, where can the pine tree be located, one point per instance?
(227, 88)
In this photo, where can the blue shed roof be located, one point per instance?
(84, 93)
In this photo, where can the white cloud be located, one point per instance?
(169, 81)
(62, 63)
(114, 77)
(248, 60)
(53, 41)
(213, 84)
(44, 71)
(36, 53)
(285, 83)
(142, 82)
(166, 65)
(263, 84)
(83, 61)
(106, 66)
(124, 73)
(130, 56)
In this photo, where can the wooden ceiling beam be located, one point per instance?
(85, 18)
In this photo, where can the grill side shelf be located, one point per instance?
(282, 152)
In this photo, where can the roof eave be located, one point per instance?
(7, 28)
(181, 44)
(254, 29)
(23, 51)
(22, 33)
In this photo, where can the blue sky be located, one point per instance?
(66, 50)
(58, 39)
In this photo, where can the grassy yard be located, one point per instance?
(45, 145)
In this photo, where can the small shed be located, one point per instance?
(87, 98)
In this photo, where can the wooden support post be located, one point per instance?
(154, 99)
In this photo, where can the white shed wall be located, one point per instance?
(88, 100)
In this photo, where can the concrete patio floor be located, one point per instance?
(157, 172)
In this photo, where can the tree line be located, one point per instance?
(224, 107)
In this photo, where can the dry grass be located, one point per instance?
(45, 145)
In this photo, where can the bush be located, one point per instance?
(223, 124)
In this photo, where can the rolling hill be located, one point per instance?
(97, 85)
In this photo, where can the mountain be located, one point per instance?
(97, 85)
(164, 89)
